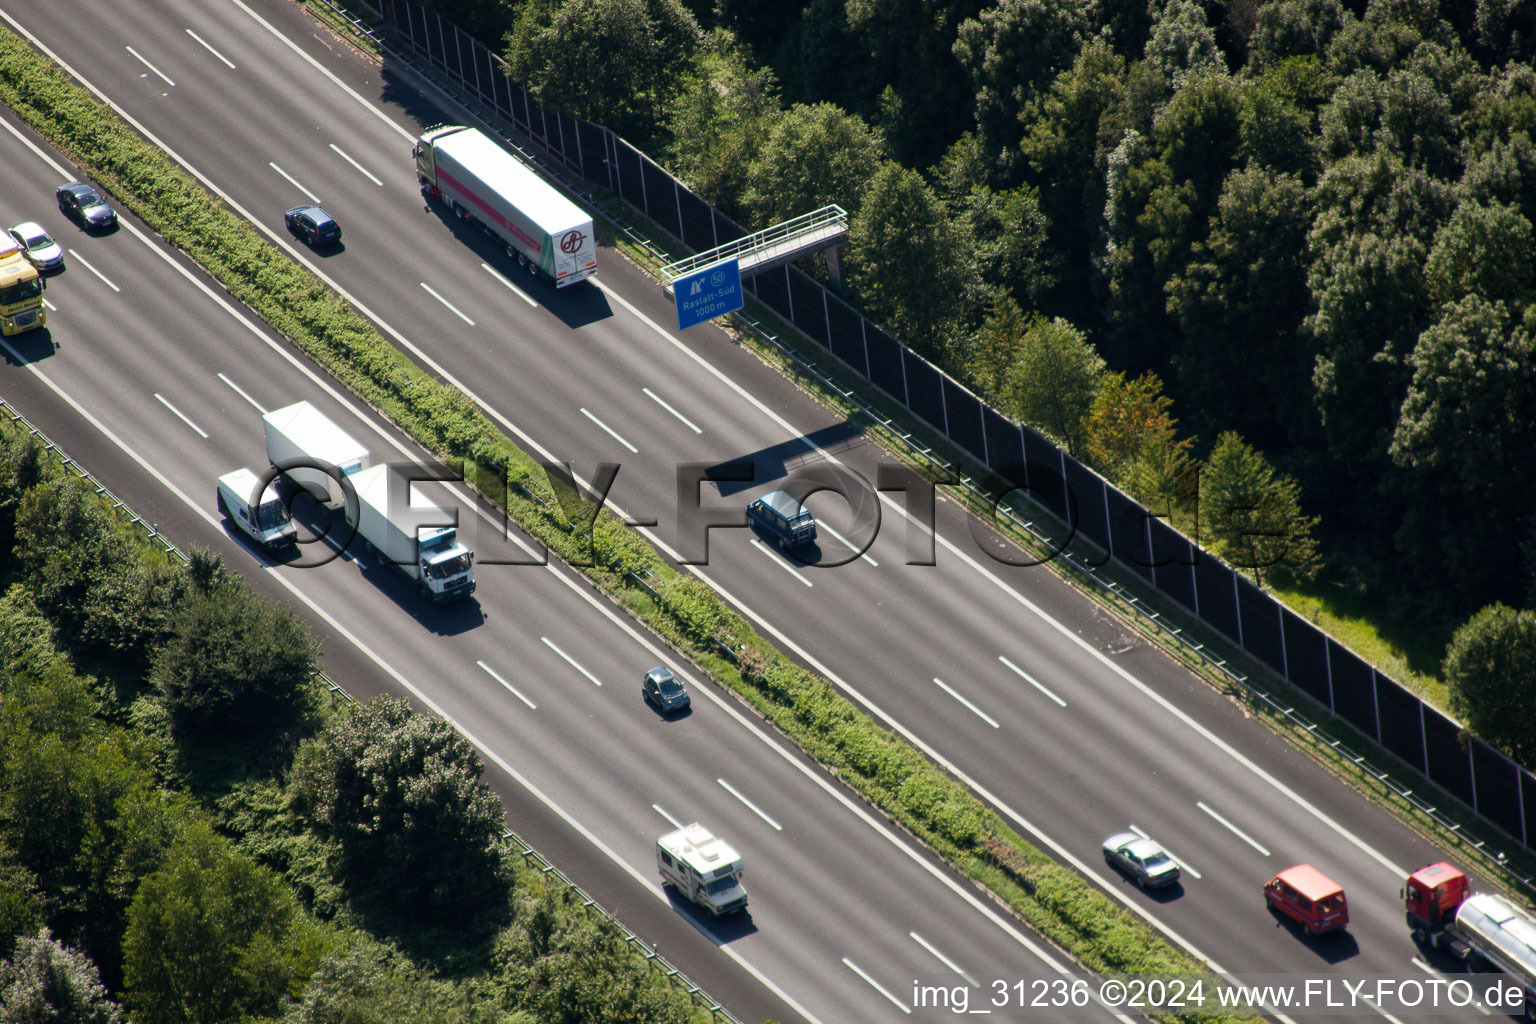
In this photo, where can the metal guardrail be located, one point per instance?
(529, 854)
(784, 231)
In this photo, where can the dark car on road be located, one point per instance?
(313, 226)
(781, 517)
(665, 690)
(84, 205)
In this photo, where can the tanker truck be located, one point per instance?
(1443, 912)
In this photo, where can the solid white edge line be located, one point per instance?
(974, 709)
(181, 415)
(1245, 837)
(510, 688)
(750, 805)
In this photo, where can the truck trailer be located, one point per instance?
(481, 182)
(703, 868)
(412, 534)
(302, 433)
(1443, 911)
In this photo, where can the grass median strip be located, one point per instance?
(883, 768)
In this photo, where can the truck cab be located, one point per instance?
(21, 290)
(703, 868)
(1431, 896)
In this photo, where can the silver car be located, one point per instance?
(1144, 860)
(38, 246)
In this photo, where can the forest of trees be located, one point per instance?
(193, 832)
(1276, 250)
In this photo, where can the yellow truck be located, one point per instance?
(21, 290)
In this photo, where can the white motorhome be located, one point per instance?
(267, 522)
(303, 433)
(705, 869)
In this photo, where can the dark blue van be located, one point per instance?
(779, 515)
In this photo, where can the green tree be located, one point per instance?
(1490, 677)
(363, 985)
(21, 467)
(1253, 514)
(1474, 380)
(905, 259)
(235, 664)
(1006, 232)
(402, 793)
(994, 347)
(45, 982)
(1127, 418)
(1008, 51)
(1182, 43)
(1293, 28)
(1482, 250)
(813, 155)
(616, 62)
(1239, 304)
(26, 636)
(21, 904)
(1054, 378)
(212, 936)
(723, 111)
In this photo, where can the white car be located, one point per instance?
(1144, 860)
(39, 246)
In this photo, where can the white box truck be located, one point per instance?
(481, 182)
(704, 869)
(302, 432)
(413, 534)
(265, 520)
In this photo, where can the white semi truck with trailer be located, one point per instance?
(481, 182)
(703, 868)
(411, 533)
(302, 433)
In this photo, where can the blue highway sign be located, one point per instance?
(708, 293)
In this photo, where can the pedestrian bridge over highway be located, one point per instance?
(785, 242)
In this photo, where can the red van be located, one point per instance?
(1308, 897)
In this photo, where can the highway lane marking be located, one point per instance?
(514, 288)
(946, 961)
(241, 392)
(151, 67)
(210, 49)
(510, 688)
(1031, 680)
(571, 661)
(750, 805)
(610, 431)
(578, 589)
(87, 265)
(1245, 837)
(295, 183)
(281, 241)
(849, 544)
(974, 709)
(856, 969)
(781, 562)
(450, 306)
(51, 307)
(661, 402)
(360, 168)
(1180, 861)
(181, 415)
(671, 820)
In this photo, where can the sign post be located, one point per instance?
(705, 294)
